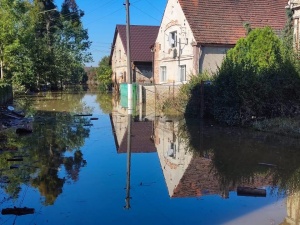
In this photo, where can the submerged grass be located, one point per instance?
(284, 126)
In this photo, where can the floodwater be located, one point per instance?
(73, 168)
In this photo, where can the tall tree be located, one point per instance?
(11, 25)
(104, 73)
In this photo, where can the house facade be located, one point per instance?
(194, 36)
(294, 5)
(142, 38)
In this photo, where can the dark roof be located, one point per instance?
(141, 142)
(222, 21)
(142, 38)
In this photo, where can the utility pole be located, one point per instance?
(130, 106)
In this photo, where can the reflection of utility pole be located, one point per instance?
(130, 107)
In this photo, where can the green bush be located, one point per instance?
(256, 80)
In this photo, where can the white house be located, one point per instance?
(194, 35)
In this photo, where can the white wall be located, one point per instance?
(174, 20)
(173, 167)
(119, 62)
(196, 58)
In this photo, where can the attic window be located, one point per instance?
(173, 39)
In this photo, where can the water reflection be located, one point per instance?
(53, 146)
(199, 161)
(141, 132)
(199, 158)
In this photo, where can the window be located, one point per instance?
(173, 39)
(182, 73)
(163, 73)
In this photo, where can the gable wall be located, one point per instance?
(119, 62)
(195, 58)
(174, 20)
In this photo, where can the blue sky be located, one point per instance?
(101, 17)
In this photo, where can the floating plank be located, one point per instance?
(94, 118)
(14, 159)
(18, 114)
(83, 114)
(23, 130)
(267, 164)
(254, 192)
(17, 211)
(11, 116)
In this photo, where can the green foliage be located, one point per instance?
(188, 100)
(256, 80)
(105, 101)
(40, 45)
(104, 73)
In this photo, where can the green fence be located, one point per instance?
(6, 93)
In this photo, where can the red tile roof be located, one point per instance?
(222, 21)
(142, 38)
(201, 178)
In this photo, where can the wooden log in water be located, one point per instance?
(267, 164)
(94, 118)
(14, 159)
(23, 130)
(254, 192)
(17, 211)
(83, 114)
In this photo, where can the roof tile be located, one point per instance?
(222, 21)
(142, 38)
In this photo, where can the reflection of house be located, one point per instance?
(188, 174)
(141, 133)
(142, 38)
(293, 209)
(195, 35)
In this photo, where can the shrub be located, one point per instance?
(256, 80)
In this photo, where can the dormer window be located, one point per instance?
(173, 39)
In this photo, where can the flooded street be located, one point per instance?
(72, 168)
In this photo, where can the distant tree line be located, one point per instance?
(41, 45)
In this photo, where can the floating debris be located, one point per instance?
(17, 211)
(267, 164)
(83, 114)
(94, 118)
(9, 148)
(254, 192)
(23, 131)
(15, 159)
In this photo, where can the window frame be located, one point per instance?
(163, 74)
(182, 76)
